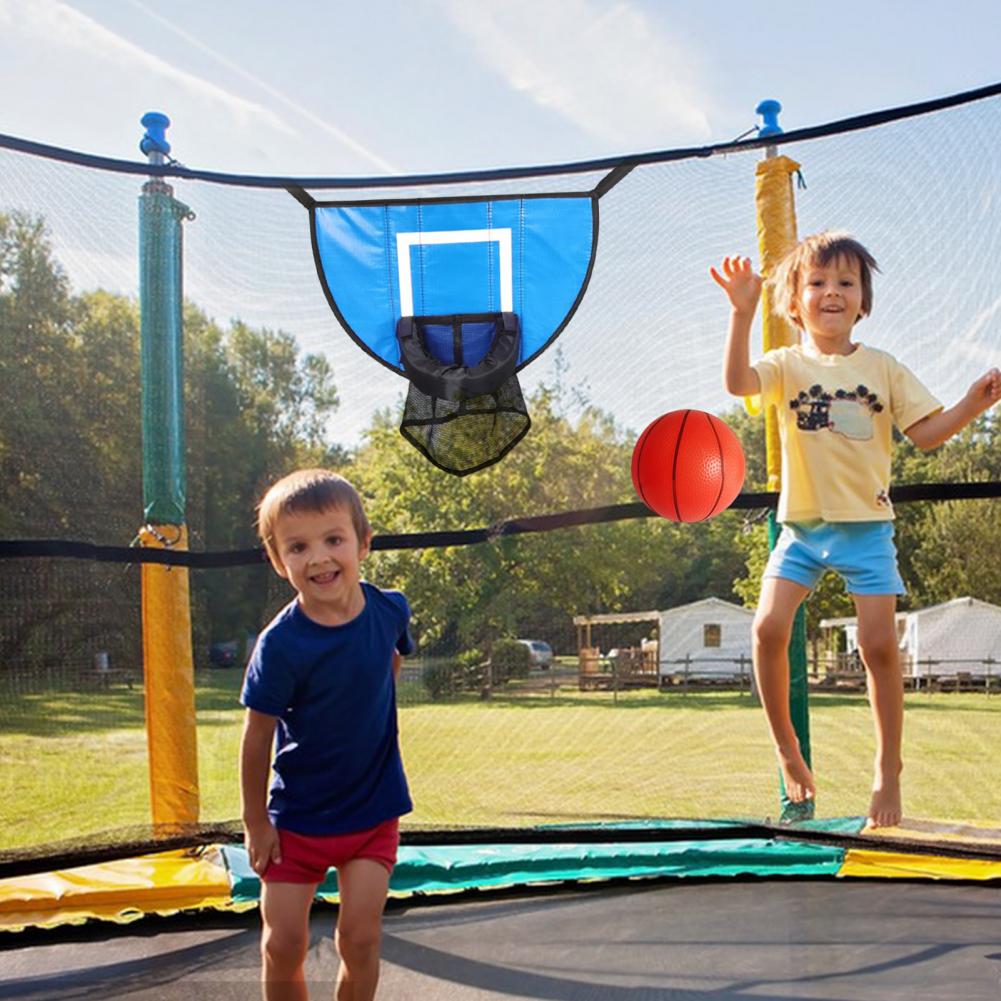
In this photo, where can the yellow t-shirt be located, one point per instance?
(835, 416)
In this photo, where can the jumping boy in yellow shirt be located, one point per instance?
(837, 401)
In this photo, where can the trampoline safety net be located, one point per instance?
(636, 700)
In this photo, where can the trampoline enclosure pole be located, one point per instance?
(776, 218)
(168, 665)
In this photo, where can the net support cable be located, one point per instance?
(751, 501)
(174, 169)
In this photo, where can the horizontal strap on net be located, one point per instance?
(55, 548)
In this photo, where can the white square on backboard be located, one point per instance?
(502, 237)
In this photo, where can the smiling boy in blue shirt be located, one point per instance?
(320, 695)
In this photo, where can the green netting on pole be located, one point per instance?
(160, 293)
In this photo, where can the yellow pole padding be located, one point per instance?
(169, 684)
(776, 212)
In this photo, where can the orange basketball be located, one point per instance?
(688, 466)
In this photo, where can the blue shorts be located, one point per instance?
(862, 552)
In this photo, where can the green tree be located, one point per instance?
(70, 453)
(66, 460)
(940, 545)
(533, 584)
(39, 404)
(256, 409)
(947, 548)
(469, 595)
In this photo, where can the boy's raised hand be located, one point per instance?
(740, 282)
(986, 391)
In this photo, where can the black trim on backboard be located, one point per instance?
(339, 203)
(332, 302)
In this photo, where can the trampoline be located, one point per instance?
(715, 941)
(539, 863)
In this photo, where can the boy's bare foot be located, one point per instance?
(796, 774)
(885, 808)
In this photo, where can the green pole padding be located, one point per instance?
(162, 353)
(799, 708)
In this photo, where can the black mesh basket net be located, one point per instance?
(465, 409)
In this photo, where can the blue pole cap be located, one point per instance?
(769, 111)
(155, 140)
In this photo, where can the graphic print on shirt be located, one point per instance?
(845, 411)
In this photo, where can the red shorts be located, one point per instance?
(307, 857)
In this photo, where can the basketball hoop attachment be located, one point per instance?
(465, 409)
(457, 296)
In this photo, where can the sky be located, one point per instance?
(365, 89)
(345, 88)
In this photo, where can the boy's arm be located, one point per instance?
(255, 765)
(933, 430)
(742, 287)
(738, 376)
(397, 664)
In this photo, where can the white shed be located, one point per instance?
(958, 636)
(712, 637)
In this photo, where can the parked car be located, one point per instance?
(540, 653)
(224, 654)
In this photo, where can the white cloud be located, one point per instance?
(314, 120)
(610, 70)
(58, 26)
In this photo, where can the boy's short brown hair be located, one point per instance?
(313, 490)
(820, 249)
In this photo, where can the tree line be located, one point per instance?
(256, 407)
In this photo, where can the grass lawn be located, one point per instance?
(73, 763)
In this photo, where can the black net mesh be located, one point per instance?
(623, 722)
(466, 436)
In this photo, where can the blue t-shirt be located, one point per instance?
(337, 765)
